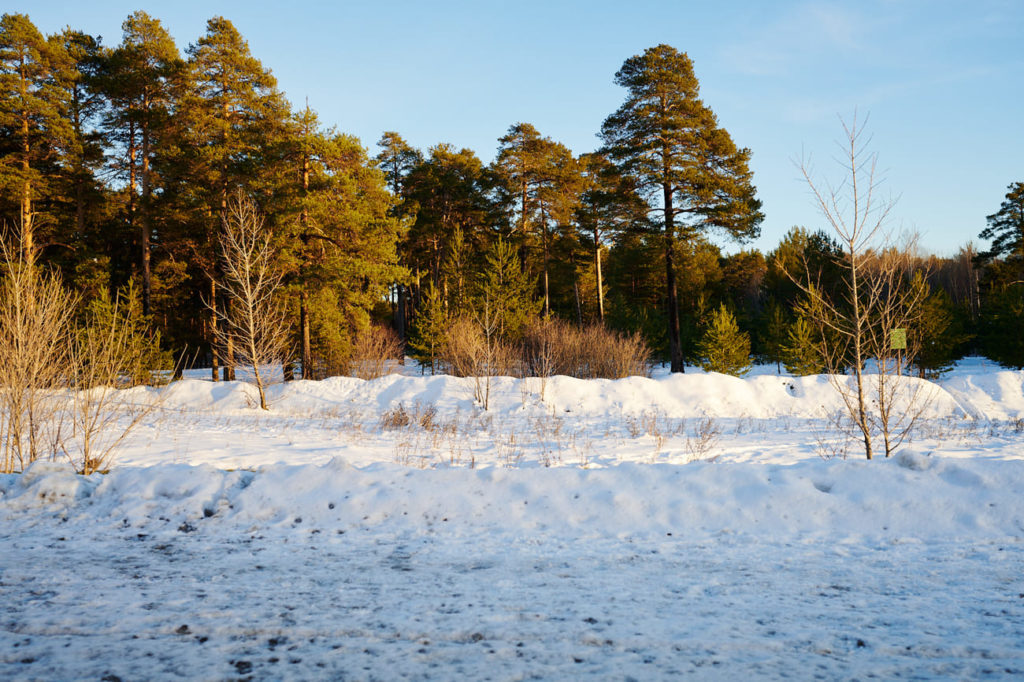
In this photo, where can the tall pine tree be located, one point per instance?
(686, 166)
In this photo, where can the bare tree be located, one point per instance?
(104, 357)
(254, 324)
(36, 317)
(898, 292)
(877, 295)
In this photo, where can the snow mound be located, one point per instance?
(677, 395)
(911, 496)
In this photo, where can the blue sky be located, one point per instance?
(940, 81)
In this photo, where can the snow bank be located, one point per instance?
(913, 496)
(1000, 395)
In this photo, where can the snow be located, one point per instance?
(576, 528)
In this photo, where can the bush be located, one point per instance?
(553, 346)
(376, 349)
(470, 352)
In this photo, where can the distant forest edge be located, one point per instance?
(121, 165)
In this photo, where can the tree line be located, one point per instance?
(119, 164)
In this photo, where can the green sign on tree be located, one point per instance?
(898, 339)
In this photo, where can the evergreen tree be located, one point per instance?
(123, 313)
(609, 206)
(801, 353)
(775, 333)
(724, 348)
(143, 79)
(234, 132)
(342, 245)
(456, 275)
(448, 189)
(1006, 226)
(508, 292)
(427, 332)
(1001, 322)
(81, 197)
(688, 169)
(937, 335)
(541, 181)
(33, 126)
(397, 159)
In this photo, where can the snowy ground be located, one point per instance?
(642, 528)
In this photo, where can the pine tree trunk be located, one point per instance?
(214, 355)
(544, 241)
(307, 354)
(597, 270)
(144, 209)
(27, 243)
(400, 325)
(132, 180)
(674, 343)
(229, 349)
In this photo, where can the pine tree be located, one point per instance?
(724, 348)
(541, 181)
(342, 239)
(507, 291)
(80, 196)
(1006, 226)
(775, 332)
(609, 205)
(448, 189)
(687, 168)
(143, 79)
(427, 332)
(123, 312)
(397, 159)
(937, 335)
(33, 125)
(801, 353)
(234, 122)
(1001, 322)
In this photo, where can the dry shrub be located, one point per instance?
(593, 352)
(58, 385)
(376, 348)
(469, 352)
(36, 329)
(395, 418)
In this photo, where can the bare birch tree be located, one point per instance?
(254, 325)
(877, 296)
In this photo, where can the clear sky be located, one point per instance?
(942, 82)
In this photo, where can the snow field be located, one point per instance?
(642, 528)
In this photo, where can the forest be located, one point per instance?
(127, 169)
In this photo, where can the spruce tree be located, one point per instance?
(723, 347)
(687, 168)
